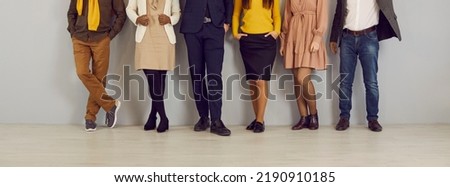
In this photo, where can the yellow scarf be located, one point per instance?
(93, 13)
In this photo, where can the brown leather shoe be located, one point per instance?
(375, 126)
(343, 124)
(303, 123)
(313, 122)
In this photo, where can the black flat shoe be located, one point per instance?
(251, 126)
(259, 127)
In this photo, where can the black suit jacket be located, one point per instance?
(387, 26)
(194, 12)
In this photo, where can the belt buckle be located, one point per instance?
(354, 33)
(206, 20)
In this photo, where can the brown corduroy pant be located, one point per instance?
(93, 75)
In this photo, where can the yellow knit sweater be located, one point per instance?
(257, 19)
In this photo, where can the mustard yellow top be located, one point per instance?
(257, 19)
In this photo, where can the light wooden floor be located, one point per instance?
(69, 145)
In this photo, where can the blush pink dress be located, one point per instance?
(305, 22)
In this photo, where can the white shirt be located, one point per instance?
(362, 14)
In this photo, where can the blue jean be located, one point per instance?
(366, 48)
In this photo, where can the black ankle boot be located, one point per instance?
(303, 123)
(163, 125)
(151, 124)
(314, 122)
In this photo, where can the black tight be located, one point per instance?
(156, 85)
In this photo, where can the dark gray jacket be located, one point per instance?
(387, 26)
(194, 13)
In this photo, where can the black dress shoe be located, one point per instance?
(303, 123)
(259, 127)
(343, 124)
(151, 124)
(375, 126)
(313, 122)
(217, 127)
(251, 126)
(202, 124)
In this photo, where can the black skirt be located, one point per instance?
(258, 53)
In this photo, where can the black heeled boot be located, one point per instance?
(150, 124)
(163, 125)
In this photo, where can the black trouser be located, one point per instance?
(205, 52)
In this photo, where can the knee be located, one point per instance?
(157, 95)
(83, 74)
(214, 76)
(260, 83)
(300, 81)
(158, 98)
(345, 85)
(371, 85)
(214, 80)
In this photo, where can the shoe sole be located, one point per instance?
(115, 114)
(90, 130)
(150, 129)
(162, 131)
(375, 130)
(251, 126)
(200, 130)
(221, 134)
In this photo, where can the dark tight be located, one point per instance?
(156, 85)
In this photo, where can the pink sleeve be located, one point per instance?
(322, 20)
(286, 21)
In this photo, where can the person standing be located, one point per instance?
(257, 36)
(204, 24)
(155, 50)
(302, 45)
(358, 26)
(92, 26)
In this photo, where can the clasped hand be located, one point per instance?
(144, 20)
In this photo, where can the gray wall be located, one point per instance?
(39, 84)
